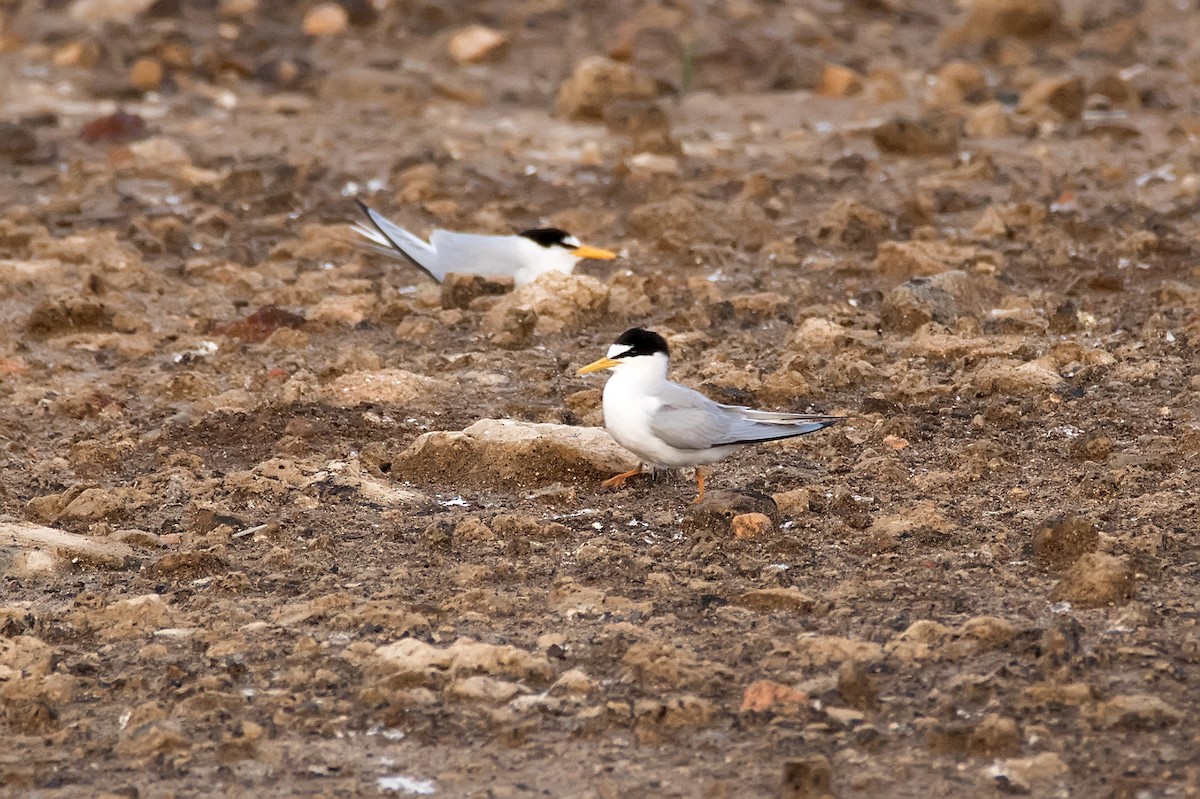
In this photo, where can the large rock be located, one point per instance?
(506, 452)
(57, 548)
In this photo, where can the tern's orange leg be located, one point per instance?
(616, 481)
(700, 485)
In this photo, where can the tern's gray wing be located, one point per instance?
(687, 419)
(477, 254)
(404, 244)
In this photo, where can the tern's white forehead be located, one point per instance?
(617, 350)
(571, 241)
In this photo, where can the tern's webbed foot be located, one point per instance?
(618, 480)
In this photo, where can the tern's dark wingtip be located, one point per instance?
(363, 207)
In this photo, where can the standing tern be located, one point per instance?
(523, 256)
(671, 426)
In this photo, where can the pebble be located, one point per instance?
(146, 74)
(326, 19)
(926, 136)
(476, 43)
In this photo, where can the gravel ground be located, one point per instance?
(246, 550)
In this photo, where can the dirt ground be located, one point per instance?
(971, 229)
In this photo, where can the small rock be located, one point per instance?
(394, 87)
(94, 11)
(654, 719)
(596, 83)
(1061, 97)
(135, 538)
(807, 778)
(476, 43)
(1135, 712)
(923, 640)
(387, 386)
(857, 688)
(989, 121)
(776, 599)
(326, 19)
(716, 512)
(1072, 694)
(421, 661)
(993, 19)
(920, 258)
(751, 525)
(763, 695)
(943, 298)
(821, 650)
(573, 682)
(507, 452)
(1064, 539)
(817, 335)
(130, 618)
(993, 736)
(556, 302)
(1044, 773)
(62, 315)
(956, 83)
(794, 502)
(118, 128)
(984, 633)
(1094, 580)
(25, 656)
(928, 136)
(481, 688)
(839, 81)
(146, 74)
(851, 223)
(459, 291)
(1007, 376)
(17, 142)
(924, 518)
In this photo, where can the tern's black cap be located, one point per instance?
(641, 342)
(549, 237)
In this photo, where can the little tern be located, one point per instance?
(522, 256)
(667, 425)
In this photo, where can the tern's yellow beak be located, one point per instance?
(596, 366)
(593, 252)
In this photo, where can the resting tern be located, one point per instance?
(523, 256)
(671, 426)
